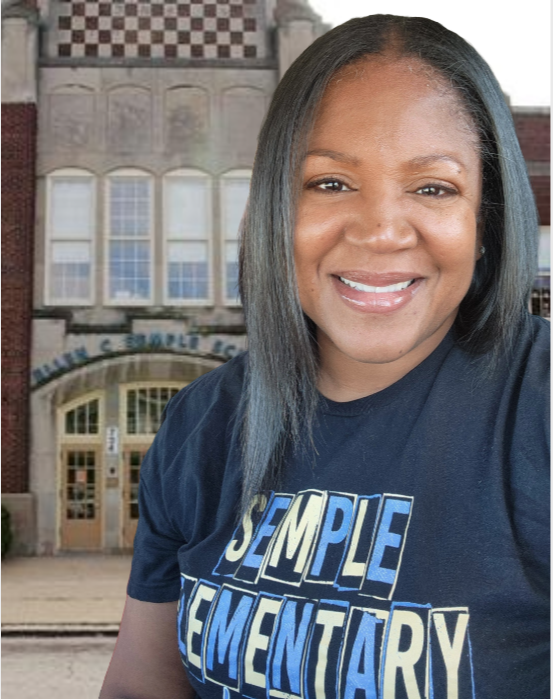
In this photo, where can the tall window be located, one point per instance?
(70, 228)
(187, 224)
(235, 188)
(129, 221)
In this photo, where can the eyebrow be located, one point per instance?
(334, 155)
(419, 161)
(424, 160)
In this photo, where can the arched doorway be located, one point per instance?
(91, 429)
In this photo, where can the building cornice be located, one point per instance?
(20, 10)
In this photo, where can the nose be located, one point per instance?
(378, 224)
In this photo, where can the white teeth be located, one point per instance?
(377, 289)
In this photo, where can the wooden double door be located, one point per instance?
(82, 501)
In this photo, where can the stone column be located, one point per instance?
(297, 27)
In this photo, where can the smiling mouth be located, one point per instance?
(377, 289)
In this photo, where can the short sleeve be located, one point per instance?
(155, 574)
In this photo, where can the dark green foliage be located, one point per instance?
(7, 532)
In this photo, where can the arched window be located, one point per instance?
(129, 214)
(187, 228)
(144, 405)
(235, 189)
(70, 233)
(83, 419)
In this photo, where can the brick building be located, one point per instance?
(129, 134)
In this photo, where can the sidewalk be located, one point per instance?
(64, 593)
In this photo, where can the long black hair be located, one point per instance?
(281, 396)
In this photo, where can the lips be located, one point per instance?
(376, 293)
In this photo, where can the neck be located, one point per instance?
(343, 378)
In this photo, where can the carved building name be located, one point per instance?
(132, 343)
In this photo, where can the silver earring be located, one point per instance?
(482, 249)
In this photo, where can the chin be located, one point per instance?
(383, 352)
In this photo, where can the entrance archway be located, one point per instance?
(86, 453)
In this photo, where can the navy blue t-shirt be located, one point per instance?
(405, 558)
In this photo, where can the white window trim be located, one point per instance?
(230, 175)
(194, 174)
(64, 173)
(114, 174)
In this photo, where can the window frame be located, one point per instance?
(50, 239)
(66, 439)
(107, 237)
(237, 174)
(141, 438)
(183, 173)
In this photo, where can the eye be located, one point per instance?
(330, 184)
(435, 190)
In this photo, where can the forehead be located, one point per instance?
(383, 98)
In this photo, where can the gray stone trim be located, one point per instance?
(20, 10)
(232, 63)
(531, 111)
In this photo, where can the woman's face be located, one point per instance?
(386, 232)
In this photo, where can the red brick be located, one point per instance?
(534, 136)
(542, 192)
(18, 214)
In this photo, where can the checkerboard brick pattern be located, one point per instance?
(207, 29)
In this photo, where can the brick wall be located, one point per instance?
(533, 131)
(18, 208)
(542, 191)
(534, 135)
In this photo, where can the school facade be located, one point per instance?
(129, 132)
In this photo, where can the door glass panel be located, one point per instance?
(81, 485)
(135, 460)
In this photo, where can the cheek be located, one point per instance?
(314, 238)
(453, 244)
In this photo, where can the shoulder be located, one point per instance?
(504, 398)
(198, 425)
(539, 344)
(518, 370)
(528, 365)
(219, 389)
(529, 371)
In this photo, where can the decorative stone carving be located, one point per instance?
(71, 117)
(186, 120)
(129, 120)
(243, 110)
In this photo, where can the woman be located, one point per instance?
(358, 506)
